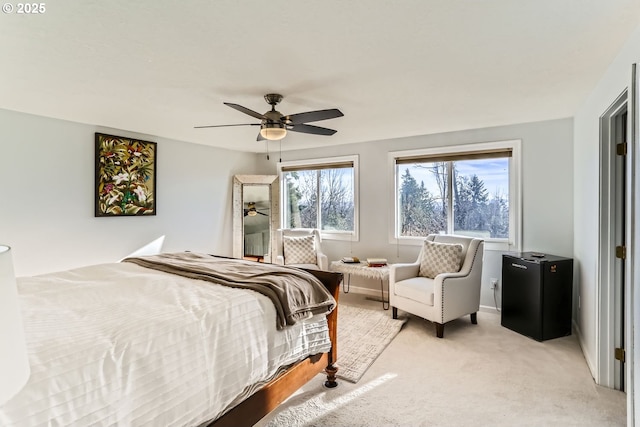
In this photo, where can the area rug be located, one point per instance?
(362, 335)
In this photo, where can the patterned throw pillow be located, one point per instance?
(440, 258)
(299, 250)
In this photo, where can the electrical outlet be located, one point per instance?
(494, 283)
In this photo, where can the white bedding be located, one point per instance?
(118, 344)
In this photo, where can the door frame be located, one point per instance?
(606, 313)
(633, 127)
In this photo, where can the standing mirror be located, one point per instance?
(256, 215)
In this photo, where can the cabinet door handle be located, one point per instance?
(513, 264)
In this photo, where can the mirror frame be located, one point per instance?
(239, 181)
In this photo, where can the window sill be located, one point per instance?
(489, 244)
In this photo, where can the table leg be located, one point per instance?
(384, 307)
(345, 287)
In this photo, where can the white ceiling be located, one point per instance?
(394, 68)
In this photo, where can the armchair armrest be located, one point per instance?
(323, 261)
(460, 291)
(403, 271)
(458, 275)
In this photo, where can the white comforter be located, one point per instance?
(118, 344)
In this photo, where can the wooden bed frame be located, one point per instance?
(271, 395)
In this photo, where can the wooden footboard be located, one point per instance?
(270, 396)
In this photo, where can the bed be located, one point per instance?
(136, 343)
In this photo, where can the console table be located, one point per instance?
(361, 269)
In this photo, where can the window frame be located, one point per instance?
(327, 162)
(514, 241)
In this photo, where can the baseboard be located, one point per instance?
(489, 309)
(375, 293)
(365, 291)
(578, 335)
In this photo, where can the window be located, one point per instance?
(322, 194)
(469, 190)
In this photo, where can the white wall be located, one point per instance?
(547, 180)
(47, 202)
(47, 178)
(586, 164)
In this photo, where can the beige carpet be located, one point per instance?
(478, 375)
(362, 335)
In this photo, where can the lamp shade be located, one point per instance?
(14, 363)
(273, 131)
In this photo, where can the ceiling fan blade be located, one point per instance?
(222, 126)
(316, 130)
(246, 110)
(313, 116)
(260, 213)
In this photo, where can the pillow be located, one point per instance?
(299, 249)
(440, 258)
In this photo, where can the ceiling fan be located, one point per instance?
(274, 125)
(252, 211)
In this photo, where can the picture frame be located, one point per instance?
(125, 183)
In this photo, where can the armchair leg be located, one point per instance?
(474, 318)
(394, 312)
(439, 330)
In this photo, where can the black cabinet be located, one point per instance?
(536, 294)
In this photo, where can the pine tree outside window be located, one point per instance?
(470, 190)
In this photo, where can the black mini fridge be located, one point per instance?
(536, 294)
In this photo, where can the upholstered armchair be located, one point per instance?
(444, 282)
(300, 247)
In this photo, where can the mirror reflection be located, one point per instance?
(256, 230)
(256, 216)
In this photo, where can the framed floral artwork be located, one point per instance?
(125, 176)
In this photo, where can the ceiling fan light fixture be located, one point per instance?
(273, 131)
(252, 213)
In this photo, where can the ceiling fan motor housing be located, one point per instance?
(272, 116)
